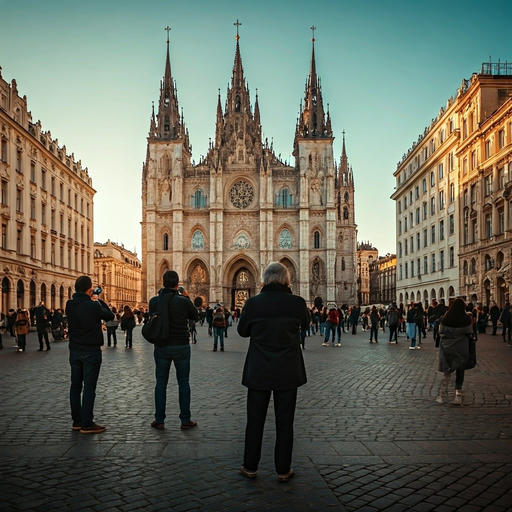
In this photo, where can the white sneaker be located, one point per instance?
(338, 344)
(439, 400)
(325, 344)
(392, 342)
(412, 348)
(418, 347)
(457, 400)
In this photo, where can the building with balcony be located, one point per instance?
(118, 271)
(46, 210)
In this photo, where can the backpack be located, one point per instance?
(156, 329)
(219, 319)
(333, 316)
(392, 318)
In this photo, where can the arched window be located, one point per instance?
(166, 242)
(472, 266)
(346, 197)
(198, 199)
(345, 213)
(284, 198)
(285, 239)
(197, 241)
(465, 268)
(316, 240)
(499, 260)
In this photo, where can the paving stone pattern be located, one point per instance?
(368, 433)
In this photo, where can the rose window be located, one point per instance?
(241, 194)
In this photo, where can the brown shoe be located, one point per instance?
(189, 424)
(157, 425)
(287, 476)
(76, 426)
(247, 473)
(93, 429)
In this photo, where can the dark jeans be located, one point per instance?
(459, 378)
(42, 332)
(506, 332)
(129, 337)
(218, 333)
(393, 332)
(330, 328)
(374, 331)
(284, 409)
(22, 341)
(111, 333)
(164, 356)
(85, 369)
(494, 326)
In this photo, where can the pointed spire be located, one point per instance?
(257, 110)
(220, 123)
(344, 159)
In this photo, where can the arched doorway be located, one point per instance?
(243, 285)
(6, 295)
(32, 294)
(20, 292)
(198, 281)
(293, 275)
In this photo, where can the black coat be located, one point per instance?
(181, 310)
(273, 320)
(84, 321)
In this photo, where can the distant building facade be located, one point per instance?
(383, 280)
(46, 210)
(220, 222)
(366, 255)
(118, 271)
(454, 215)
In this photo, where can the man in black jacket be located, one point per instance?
(84, 317)
(179, 309)
(274, 364)
(42, 320)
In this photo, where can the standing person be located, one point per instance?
(128, 324)
(382, 314)
(41, 317)
(420, 322)
(393, 316)
(57, 325)
(218, 324)
(209, 319)
(274, 365)
(354, 318)
(84, 317)
(402, 325)
(374, 324)
(11, 319)
(192, 330)
(412, 326)
(331, 325)
(22, 328)
(323, 319)
(303, 332)
(494, 313)
(506, 320)
(340, 328)
(456, 350)
(178, 310)
(112, 326)
(227, 318)
(437, 313)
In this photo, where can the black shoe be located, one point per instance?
(40, 349)
(215, 349)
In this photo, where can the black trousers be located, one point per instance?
(284, 409)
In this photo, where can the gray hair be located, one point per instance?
(276, 273)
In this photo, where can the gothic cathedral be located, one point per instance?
(220, 222)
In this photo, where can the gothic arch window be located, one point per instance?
(472, 266)
(345, 213)
(198, 199)
(284, 198)
(499, 260)
(166, 242)
(465, 268)
(241, 242)
(285, 239)
(316, 240)
(237, 104)
(197, 241)
(241, 194)
(346, 197)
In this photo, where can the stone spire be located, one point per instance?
(169, 123)
(312, 121)
(345, 177)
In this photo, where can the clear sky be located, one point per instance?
(90, 71)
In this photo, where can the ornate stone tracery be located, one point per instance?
(241, 194)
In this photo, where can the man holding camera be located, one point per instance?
(85, 340)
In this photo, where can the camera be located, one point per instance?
(97, 290)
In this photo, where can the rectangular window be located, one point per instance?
(424, 186)
(501, 177)
(399, 249)
(432, 206)
(452, 257)
(33, 247)
(400, 277)
(450, 162)
(465, 166)
(488, 225)
(433, 234)
(76, 204)
(416, 192)
(488, 148)
(32, 172)
(433, 262)
(3, 154)
(432, 179)
(418, 267)
(4, 236)
(52, 186)
(405, 248)
(425, 210)
(43, 214)
(399, 227)
(473, 194)
(399, 206)
(43, 250)
(5, 193)
(488, 185)
(61, 256)
(406, 270)
(412, 244)
(411, 220)
(61, 224)
(425, 238)
(43, 179)
(452, 192)
(52, 254)
(412, 268)
(501, 220)
(405, 224)
(441, 230)
(32, 208)
(440, 172)
(452, 225)
(19, 238)
(18, 161)
(52, 219)
(61, 192)
(441, 260)
(417, 215)
(425, 265)
(418, 238)
(69, 199)
(405, 203)
(501, 139)
(69, 229)
(19, 200)
(441, 200)
(474, 162)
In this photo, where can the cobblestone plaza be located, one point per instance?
(368, 433)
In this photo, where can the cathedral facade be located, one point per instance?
(220, 222)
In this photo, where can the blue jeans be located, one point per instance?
(129, 337)
(328, 328)
(85, 370)
(164, 356)
(218, 332)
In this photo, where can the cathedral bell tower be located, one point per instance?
(313, 152)
(168, 153)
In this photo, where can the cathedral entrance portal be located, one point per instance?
(243, 284)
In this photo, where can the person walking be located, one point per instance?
(412, 326)
(354, 318)
(84, 317)
(420, 322)
(393, 317)
(457, 351)
(274, 366)
(494, 313)
(128, 324)
(374, 324)
(112, 326)
(331, 325)
(42, 320)
(506, 320)
(219, 325)
(175, 348)
(22, 328)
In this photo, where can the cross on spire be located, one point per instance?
(168, 30)
(313, 28)
(237, 25)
